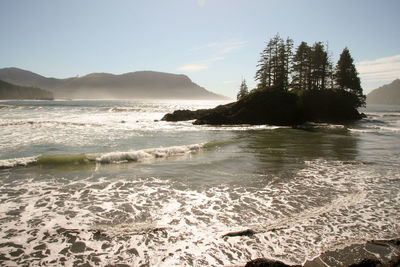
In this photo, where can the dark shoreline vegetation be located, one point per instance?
(293, 88)
(11, 91)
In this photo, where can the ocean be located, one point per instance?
(105, 182)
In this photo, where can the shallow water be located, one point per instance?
(105, 182)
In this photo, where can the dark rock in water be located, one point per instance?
(277, 107)
(185, 115)
(247, 232)
(179, 115)
(266, 263)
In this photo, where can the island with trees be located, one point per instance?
(293, 87)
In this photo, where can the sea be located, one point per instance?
(108, 183)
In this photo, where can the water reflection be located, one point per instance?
(283, 151)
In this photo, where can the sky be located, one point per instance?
(216, 43)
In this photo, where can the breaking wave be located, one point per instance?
(153, 153)
(102, 158)
(17, 162)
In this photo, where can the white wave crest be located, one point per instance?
(112, 157)
(152, 153)
(16, 162)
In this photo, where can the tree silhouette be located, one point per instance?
(346, 76)
(243, 91)
(275, 63)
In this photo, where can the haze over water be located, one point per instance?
(106, 182)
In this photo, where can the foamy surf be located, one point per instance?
(162, 222)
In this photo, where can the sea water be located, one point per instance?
(107, 183)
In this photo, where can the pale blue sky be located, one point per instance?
(215, 42)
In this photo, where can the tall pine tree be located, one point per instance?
(319, 67)
(346, 76)
(301, 66)
(274, 65)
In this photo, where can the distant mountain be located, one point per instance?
(388, 94)
(141, 84)
(11, 91)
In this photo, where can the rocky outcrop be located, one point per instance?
(185, 115)
(277, 107)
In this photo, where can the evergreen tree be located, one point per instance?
(346, 76)
(311, 67)
(288, 61)
(330, 72)
(243, 91)
(275, 63)
(319, 66)
(267, 64)
(301, 66)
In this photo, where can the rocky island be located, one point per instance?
(275, 107)
(315, 92)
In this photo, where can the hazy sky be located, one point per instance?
(215, 42)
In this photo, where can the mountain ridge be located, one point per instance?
(388, 94)
(139, 84)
